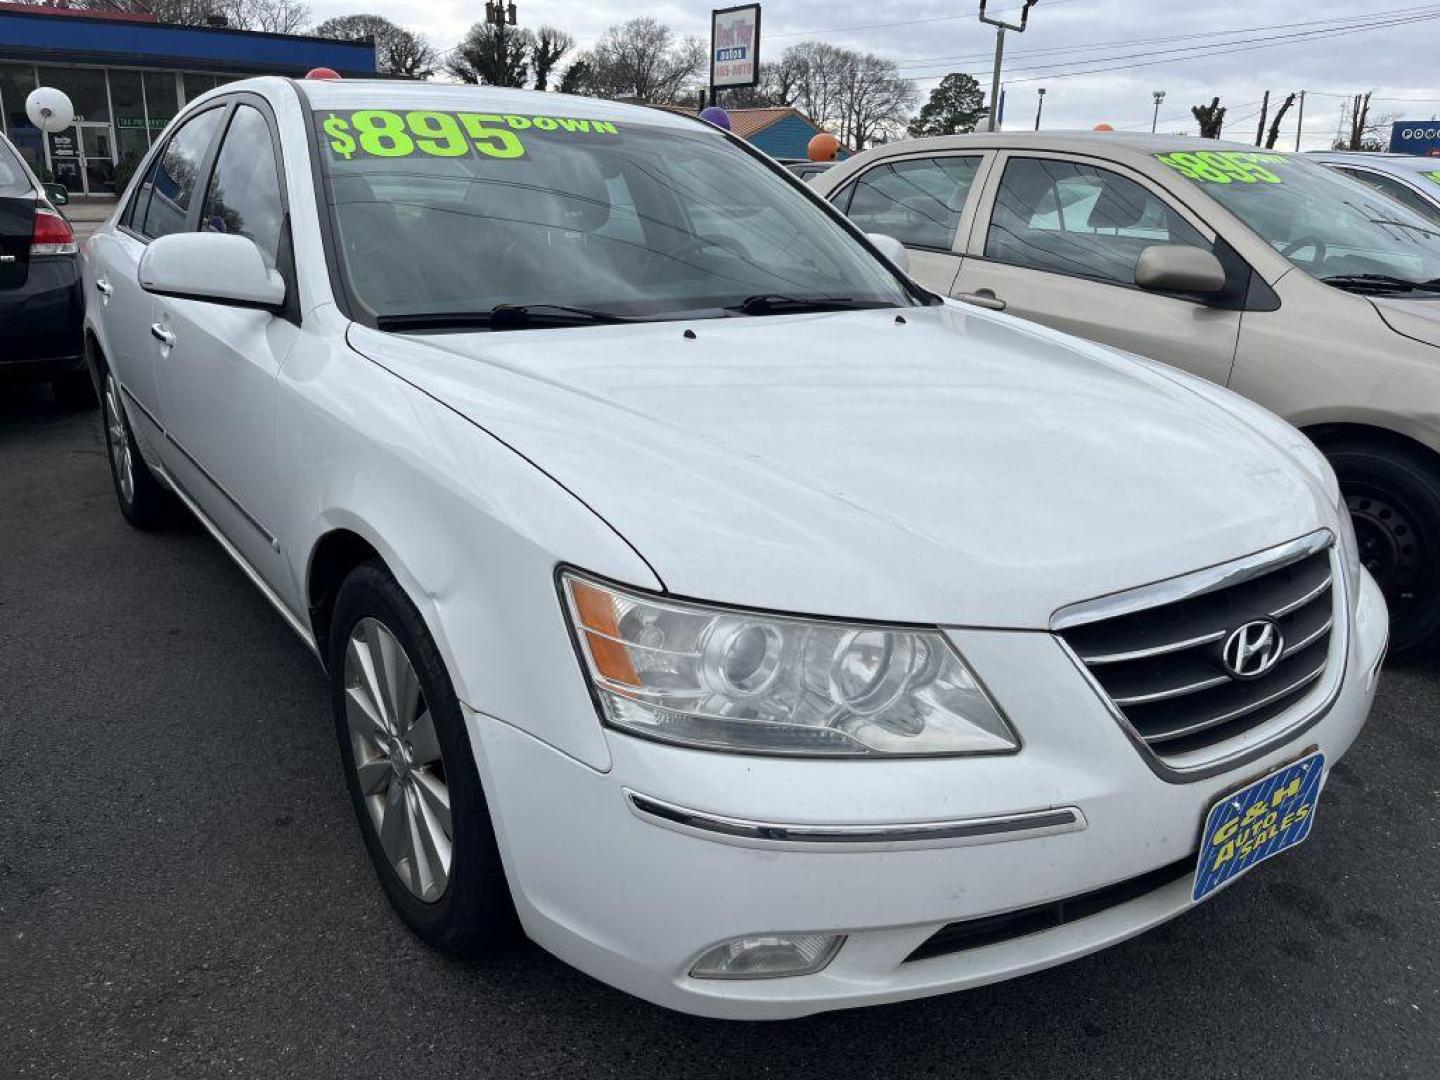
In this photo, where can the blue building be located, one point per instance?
(127, 75)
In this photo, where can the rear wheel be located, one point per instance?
(143, 500)
(411, 771)
(75, 390)
(1393, 494)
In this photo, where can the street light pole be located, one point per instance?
(1000, 27)
(1040, 107)
(1159, 96)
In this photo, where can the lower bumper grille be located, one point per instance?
(1193, 665)
(993, 929)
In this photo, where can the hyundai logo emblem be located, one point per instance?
(1254, 649)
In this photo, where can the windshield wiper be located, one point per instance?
(501, 317)
(1380, 284)
(779, 304)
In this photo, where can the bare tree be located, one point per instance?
(877, 100)
(493, 55)
(642, 59)
(1363, 135)
(1274, 135)
(551, 45)
(1211, 118)
(269, 16)
(397, 51)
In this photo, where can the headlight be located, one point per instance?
(761, 683)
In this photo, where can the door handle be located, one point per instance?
(160, 334)
(104, 287)
(984, 298)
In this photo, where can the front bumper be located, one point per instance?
(633, 901)
(41, 321)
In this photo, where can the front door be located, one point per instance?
(82, 158)
(1056, 240)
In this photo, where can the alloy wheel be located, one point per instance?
(118, 441)
(397, 759)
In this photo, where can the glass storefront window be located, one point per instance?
(132, 130)
(16, 82)
(160, 98)
(86, 87)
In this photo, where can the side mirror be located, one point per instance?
(891, 248)
(1176, 268)
(57, 193)
(220, 268)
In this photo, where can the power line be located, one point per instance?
(1202, 53)
(1355, 19)
(903, 22)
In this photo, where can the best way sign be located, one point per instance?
(735, 46)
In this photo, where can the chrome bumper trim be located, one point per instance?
(804, 837)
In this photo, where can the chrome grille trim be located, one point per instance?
(1167, 695)
(1285, 702)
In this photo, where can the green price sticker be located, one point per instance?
(1225, 166)
(385, 134)
(1433, 177)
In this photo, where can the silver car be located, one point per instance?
(1409, 180)
(1269, 273)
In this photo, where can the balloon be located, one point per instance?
(49, 109)
(823, 147)
(322, 73)
(717, 116)
(1103, 127)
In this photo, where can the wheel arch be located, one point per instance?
(334, 555)
(1328, 433)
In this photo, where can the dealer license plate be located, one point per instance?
(1262, 819)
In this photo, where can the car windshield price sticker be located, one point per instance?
(382, 133)
(1250, 825)
(1433, 177)
(1226, 166)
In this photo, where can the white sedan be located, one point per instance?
(766, 633)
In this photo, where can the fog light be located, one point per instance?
(768, 956)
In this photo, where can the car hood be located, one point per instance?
(1416, 319)
(948, 467)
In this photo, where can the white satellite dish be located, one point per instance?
(49, 109)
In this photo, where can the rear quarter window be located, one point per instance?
(13, 178)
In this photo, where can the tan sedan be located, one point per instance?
(1302, 289)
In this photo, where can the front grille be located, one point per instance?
(1163, 668)
(993, 929)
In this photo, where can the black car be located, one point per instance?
(42, 307)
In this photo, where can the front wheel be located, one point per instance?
(1393, 494)
(411, 771)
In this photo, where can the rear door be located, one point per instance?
(1056, 239)
(17, 219)
(925, 202)
(160, 204)
(218, 364)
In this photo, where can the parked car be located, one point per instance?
(771, 635)
(1409, 180)
(41, 304)
(808, 170)
(1263, 272)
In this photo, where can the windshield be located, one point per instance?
(1327, 224)
(440, 213)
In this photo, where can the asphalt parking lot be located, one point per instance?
(183, 892)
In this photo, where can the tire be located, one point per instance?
(145, 502)
(1393, 493)
(75, 390)
(397, 772)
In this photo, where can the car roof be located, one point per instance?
(1080, 141)
(404, 93)
(1403, 164)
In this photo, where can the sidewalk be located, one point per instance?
(85, 213)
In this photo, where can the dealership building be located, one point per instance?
(127, 75)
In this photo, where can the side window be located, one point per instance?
(165, 196)
(244, 195)
(1396, 190)
(1075, 219)
(918, 202)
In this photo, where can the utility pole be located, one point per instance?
(499, 15)
(1040, 107)
(1000, 27)
(1159, 96)
(1300, 123)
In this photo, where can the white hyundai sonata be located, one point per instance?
(769, 634)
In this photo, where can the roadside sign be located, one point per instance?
(735, 46)
(1420, 137)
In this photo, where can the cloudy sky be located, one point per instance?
(1192, 51)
